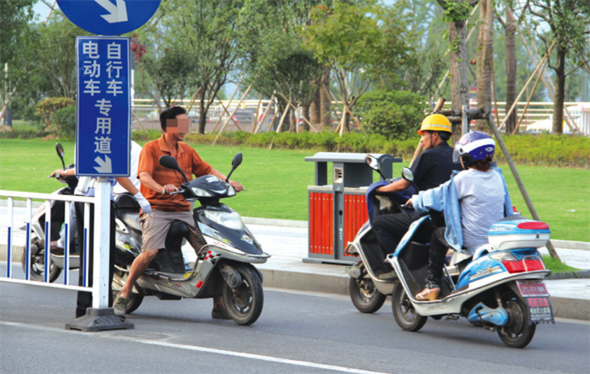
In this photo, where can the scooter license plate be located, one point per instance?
(532, 288)
(536, 297)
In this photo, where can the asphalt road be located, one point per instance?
(296, 333)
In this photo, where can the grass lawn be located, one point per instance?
(276, 182)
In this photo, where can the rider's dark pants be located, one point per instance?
(438, 252)
(389, 230)
(85, 298)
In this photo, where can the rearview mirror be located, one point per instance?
(237, 161)
(372, 162)
(171, 163)
(408, 175)
(234, 164)
(60, 153)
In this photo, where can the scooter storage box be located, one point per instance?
(518, 232)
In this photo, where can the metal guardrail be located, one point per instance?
(48, 199)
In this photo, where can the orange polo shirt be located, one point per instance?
(149, 162)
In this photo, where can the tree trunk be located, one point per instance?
(458, 70)
(315, 109)
(325, 103)
(202, 114)
(559, 91)
(484, 60)
(511, 89)
(292, 121)
(305, 114)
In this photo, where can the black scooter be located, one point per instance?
(223, 266)
(39, 237)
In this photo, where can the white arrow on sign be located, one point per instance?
(104, 166)
(118, 13)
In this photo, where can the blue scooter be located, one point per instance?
(499, 288)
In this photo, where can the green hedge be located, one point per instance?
(545, 150)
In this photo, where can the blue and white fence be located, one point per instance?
(8, 220)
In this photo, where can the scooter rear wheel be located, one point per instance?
(244, 303)
(365, 296)
(405, 315)
(519, 331)
(37, 265)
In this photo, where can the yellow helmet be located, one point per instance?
(436, 122)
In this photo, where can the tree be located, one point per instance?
(426, 61)
(276, 59)
(361, 42)
(563, 22)
(456, 12)
(206, 34)
(485, 58)
(15, 18)
(167, 70)
(510, 27)
(15, 31)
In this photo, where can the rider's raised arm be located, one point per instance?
(237, 185)
(396, 186)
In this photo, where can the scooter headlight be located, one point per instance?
(200, 192)
(230, 220)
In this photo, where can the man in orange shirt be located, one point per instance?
(157, 182)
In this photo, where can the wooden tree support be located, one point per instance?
(293, 106)
(518, 180)
(259, 123)
(230, 117)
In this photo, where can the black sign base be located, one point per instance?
(99, 320)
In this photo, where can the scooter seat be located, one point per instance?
(170, 259)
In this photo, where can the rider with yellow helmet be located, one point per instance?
(432, 168)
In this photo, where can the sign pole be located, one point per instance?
(102, 224)
(103, 126)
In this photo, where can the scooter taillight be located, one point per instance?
(526, 264)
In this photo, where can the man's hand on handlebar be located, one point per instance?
(167, 189)
(237, 185)
(59, 174)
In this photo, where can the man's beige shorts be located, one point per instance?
(156, 224)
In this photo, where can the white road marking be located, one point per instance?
(195, 348)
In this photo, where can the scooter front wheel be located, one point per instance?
(519, 331)
(405, 315)
(244, 303)
(365, 296)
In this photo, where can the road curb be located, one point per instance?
(338, 284)
(571, 308)
(582, 274)
(335, 284)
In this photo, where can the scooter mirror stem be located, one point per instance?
(171, 163)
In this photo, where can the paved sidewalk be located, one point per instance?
(287, 242)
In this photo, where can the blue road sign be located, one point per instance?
(103, 111)
(109, 17)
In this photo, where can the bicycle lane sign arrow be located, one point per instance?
(109, 17)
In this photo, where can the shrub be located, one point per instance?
(65, 122)
(49, 106)
(546, 150)
(393, 114)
